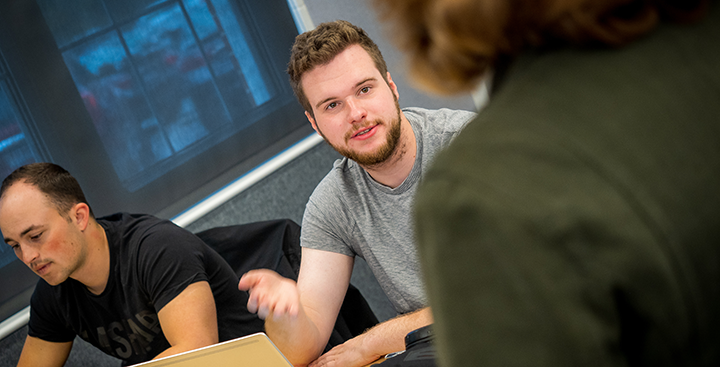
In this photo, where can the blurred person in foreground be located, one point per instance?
(361, 208)
(576, 220)
(134, 286)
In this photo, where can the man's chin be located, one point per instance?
(371, 159)
(377, 156)
(53, 280)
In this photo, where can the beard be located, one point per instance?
(381, 154)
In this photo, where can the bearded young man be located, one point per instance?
(361, 208)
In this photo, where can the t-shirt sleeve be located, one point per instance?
(46, 319)
(169, 259)
(325, 222)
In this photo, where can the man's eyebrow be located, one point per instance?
(317, 106)
(23, 233)
(7, 240)
(365, 81)
(356, 85)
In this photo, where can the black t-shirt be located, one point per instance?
(151, 262)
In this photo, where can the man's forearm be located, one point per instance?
(37, 352)
(375, 343)
(297, 337)
(389, 336)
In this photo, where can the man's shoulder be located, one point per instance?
(436, 129)
(442, 119)
(124, 221)
(125, 218)
(131, 231)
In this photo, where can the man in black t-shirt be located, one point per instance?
(135, 286)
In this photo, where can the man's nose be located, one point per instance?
(356, 110)
(28, 254)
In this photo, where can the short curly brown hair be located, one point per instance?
(320, 46)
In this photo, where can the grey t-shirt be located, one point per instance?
(352, 214)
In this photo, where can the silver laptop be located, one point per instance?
(254, 350)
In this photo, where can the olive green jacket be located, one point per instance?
(576, 221)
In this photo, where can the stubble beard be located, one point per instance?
(79, 259)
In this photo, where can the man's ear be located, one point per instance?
(80, 214)
(312, 122)
(393, 86)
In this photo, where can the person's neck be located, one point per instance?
(394, 170)
(96, 269)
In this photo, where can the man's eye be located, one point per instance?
(36, 236)
(331, 105)
(364, 90)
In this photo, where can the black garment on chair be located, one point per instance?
(275, 244)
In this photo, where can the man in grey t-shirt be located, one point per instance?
(353, 214)
(361, 208)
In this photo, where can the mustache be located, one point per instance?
(39, 263)
(364, 126)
